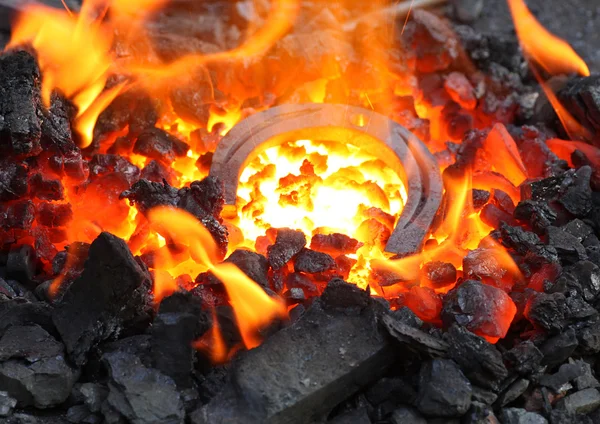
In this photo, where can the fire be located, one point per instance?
(253, 308)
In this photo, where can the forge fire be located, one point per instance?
(293, 211)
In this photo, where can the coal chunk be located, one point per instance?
(14, 183)
(341, 295)
(565, 374)
(482, 309)
(538, 214)
(93, 395)
(17, 313)
(407, 415)
(140, 394)
(21, 263)
(577, 199)
(584, 277)
(287, 377)
(513, 392)
(525, 358)
(7, 404)
(94, 305)
(288, 244)
(547, 311)
(179, 322)
(158, 144)
(438, 274)
(558, 348)
(334, 244)
(20, 105)
(581, 402)
(253, 264)
(147, 194)
(311, 262)
(33, 368)
(578, 229)
(568, 247)
(521, 416)
(443, 389)
(479, 360)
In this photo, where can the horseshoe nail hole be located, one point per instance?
(358, 119)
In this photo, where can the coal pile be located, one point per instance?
(83, 338)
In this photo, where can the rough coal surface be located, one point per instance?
(179, 322)
(93, 307)
(253, 264)
(547, 311)
(443, 389)
(479, 360)
(568, 247)
(311, 262)
(14, 183)
(20, 105)
(148, 194)
(33, 368)
(525, 358)
(141, 395)
(159, 145)
(288, 244)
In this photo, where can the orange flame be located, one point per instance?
(253, 308)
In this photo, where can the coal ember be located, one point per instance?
(54, 214)
(287, 245)
(254, 265)
(568, 247)
(14, 183)
(93, 307)
(438, 274)
(484, 264)
(20, 107)
(334, 244)
(146, 194)
(484, 310)
(581, 96)
(525, 358)
(45, 189)
(156, 172)
(159, 145)
(538, 214)
(547, 311)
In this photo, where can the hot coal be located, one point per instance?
(179, 322)
(581, 96)
(158, 144)
(312, 262)
(21, 263)
(21, 123)
(14, 182)
(538, 214)
(547, 311)
(287, 245)
(413, 338)
(146, 194)
(53, 214)
(101, 165)
(269, 385)
(18, 214)
(95, 304)
(45, 189)
(254, 265)
(33, 368)
(334, 244)
(482, 309)
(438, 274)
(156, 172)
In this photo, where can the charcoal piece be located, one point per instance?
(581, 96)
(7, 290)
(147, 194)
(93, 395)
(519, 239)
(513, 392)
(525, 358)
(312, 262)
(484, 396)
(585, 277)
(294, 295)
(483, 264)
(432, 44)
(157, 172)
(395, 390)
(579, 309)
(548, 189)
(565, 374)
(140, 394)
(479, 413)
(301, 281)
(17, 313)
(438, 274)
(586, 379)
(14, 183)
(342, 295)
(443, 390)
(569, 249)
(334, 244)
(414, 339)
(204, 162)
(547, 311)
(589, 338)
(560, 416)
(254, 265)
(22, 262)
(521, 416)
(482, 309)
(407, 415)
(204, 199)
(577, 199)
(77, 414)
(581, 402)
(479, 360)
(355, 416)
(54, 214)
(45, 189)
(287, 245)
(101, 165)
(20, 107)
(558, 348)
(33, 369)
(20, 290)
(17, 215)
(578, 229)
(538, 214)
(494, 217)
(287, 377)
(408, 317)
(94, 305)
(7, 404)
(159, 145)
(179, 322)
(143, 116)
(56, 126)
